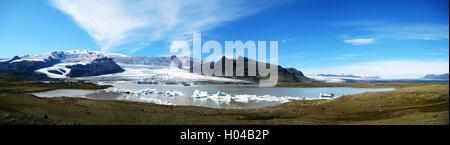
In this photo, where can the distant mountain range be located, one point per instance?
(440, 77)
(284, 74)
(349, 76)
(333, 78)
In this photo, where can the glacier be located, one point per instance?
(162, 68)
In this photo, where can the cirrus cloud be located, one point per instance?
(122, 24)
(360, 41)
(400, 31)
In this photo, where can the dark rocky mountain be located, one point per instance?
(284, 74)
(25, 67)
(440, 77)
(100, 66)
(295, 75)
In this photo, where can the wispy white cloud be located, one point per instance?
(384, 29)
(121, 24)
(412, 31)
(387, 69)
(177, 46)
(360, 41)
(347, 56)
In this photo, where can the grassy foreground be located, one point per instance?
(410, 103)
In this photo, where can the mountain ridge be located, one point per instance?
(284, 74)
(58, 64)
(444, 76)
(86, 63)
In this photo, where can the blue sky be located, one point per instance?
(391, 39)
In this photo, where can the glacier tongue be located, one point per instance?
(61, 68)
(157, 73)
(67, 58)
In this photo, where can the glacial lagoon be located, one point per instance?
(158, 94)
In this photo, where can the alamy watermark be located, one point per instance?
(260, 63)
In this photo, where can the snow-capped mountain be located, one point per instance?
(60, 63)
(96, 65)
(161, 69)
(437, 76)
(73, 56)
(333, 78)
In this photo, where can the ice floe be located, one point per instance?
(147, 91)
(221, 97)
(151, 96)
(240, 98)
(200, 94)
(245, 98)
(145, 95)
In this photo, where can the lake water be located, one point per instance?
(257, 97)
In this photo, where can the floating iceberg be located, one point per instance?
(152, 96)
(241, 98)
(116, 90)
(143, 92)
(200, 94)
(145, 95)
(221, 97)
(173, 93)
(245, 98)
(145, 99)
